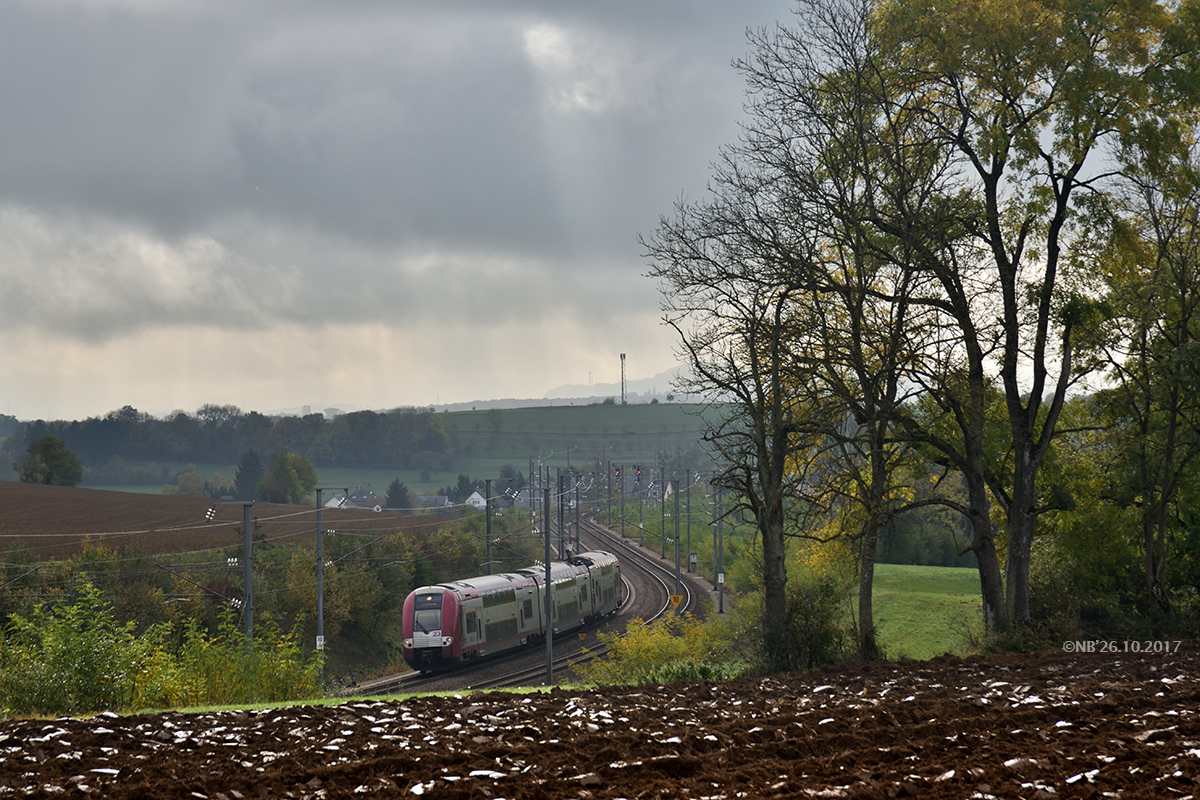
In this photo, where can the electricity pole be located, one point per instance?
(561, 509)
(248, 592)
(678, 591)
(662, 524)
(487, 512)
(247, 575)
(321, 577)
(688, 478)
(549, 597)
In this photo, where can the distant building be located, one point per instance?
(365, 498)
(432, 501)
(476, 501)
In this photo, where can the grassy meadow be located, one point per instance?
(922, 612)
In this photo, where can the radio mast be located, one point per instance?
(622, 379)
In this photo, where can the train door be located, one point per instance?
(585, 597)
(470, 628)
(526, 615)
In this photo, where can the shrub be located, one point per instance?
(817, 631)
(73, 659)
(77, 659)
(226, 668)
(669, 650)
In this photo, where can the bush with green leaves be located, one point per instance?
(818, 621)
(669, 650)
(76, 658)
(226, 668)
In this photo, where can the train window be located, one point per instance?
(471, 623)
(427, 620)
(528, 609)
(499, 597)
(583, 592)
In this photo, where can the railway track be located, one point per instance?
(629, 555)
(649, 586)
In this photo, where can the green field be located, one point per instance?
(922, 612)
(577, 433)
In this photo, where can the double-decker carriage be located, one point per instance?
(449, 624)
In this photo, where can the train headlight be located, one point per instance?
(447, 641)
(408, 644)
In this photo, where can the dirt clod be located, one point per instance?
(1038, 725)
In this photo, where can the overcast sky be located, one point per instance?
(366, 203)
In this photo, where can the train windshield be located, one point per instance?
(427, 613)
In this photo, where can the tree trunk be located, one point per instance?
(875, 502)
(1154, 536)
(868, 648)
(775, 594)
(983, 543)
(1021, 519)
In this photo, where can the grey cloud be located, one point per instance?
(99, 280)
(441, 171)
(378, 120)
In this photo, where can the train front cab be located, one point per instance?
(431, 639)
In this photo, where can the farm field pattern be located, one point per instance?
(1044, 725)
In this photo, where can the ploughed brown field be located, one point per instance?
(54, 522)
(1109, 723)
(1047, 725)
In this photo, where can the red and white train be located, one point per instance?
(453, 623)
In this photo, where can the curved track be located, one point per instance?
(649, 584)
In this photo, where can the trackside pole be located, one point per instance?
(487, 513)
(247, 540)
(549, 596)
(720, 557)
(678, 587)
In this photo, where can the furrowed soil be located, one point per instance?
(56, 522)
(1045, 725)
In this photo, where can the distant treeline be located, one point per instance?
(403, 438)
